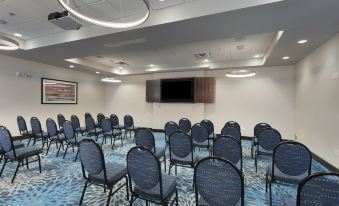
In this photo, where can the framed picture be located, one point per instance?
(55, 91)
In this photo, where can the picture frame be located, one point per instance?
(54, 91)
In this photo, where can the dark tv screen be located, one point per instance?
(177, 90)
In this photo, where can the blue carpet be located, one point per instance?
(61, 181)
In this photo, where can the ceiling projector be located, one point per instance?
(65, 20)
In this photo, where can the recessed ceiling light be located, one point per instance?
(240, 73)
(206, 60)
(17, 34)
(151, 65)
(161, 0)
(71, 66)
(111, 80)
(120, 68)
(286, 58)
(97, 72)
(256, 56)
(152, 70)
(303, 41)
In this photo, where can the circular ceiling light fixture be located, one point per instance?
(110, 24)
(240, 73)
(8, 43)
(111, 80)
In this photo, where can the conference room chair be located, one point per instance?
(181, 151)
(76, 125)
(210, 127)
(20, 155)
(218, 182)
(54, 136)
(233, 124)
(97, 172)
(129, 125)
(71, 139)
(24, 132)
(61, 119)
(146, 181)
(228, 148)
(110, 132)
(145, 138)
(258, 127)
(200, 137)
(91, 128)
(115, 122)
(100, 117)
(170, 128)
(320, 189)
(231, 131)
(38, 133)
(185, 125)
(291, 162)
(16, 144)
(267, 140)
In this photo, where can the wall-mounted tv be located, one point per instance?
(177, 90)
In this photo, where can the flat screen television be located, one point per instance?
(177, 90)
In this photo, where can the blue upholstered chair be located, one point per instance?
(96, 172)
(231, 131)
(320, 189)
(181, 151)
(185, 125)
(146, 180)
(71, 139)
(200, 136)
(100, 117)
(257, 129)
(91, 128)
(145, 138)
(291, 162)
(218, 182)
(227, 147)
(76, 125)
(20, 155)
(54, 136)
(115, 122)
(16, 144)
(61, 119)
(170, 128)
(24, 132)
(210, 127)
(129, 125)
(233, 124)
(38, 133)
(110, 132)
(267, 140)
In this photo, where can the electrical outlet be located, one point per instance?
(336, 152)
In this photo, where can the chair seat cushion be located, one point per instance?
(16, 145)
(27, 133)
(60, 137)
(114, 172)
(280, 176)
(130, 128)
(200, 144)
(113, 133)
(119, 127)
(76, 141)
(80, 129)
(160, 152)
(24, 152)
(169, 184)
(42, 135)
(202, 202)
(184, 160)
(95, 131)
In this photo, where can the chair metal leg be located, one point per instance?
(169, 169)
(61, 144)
(270, 188)
(109, 196)
(3, 166)
(127, 188)
(29, 140)
(65, 151)
(16, 170)
(256, 163)
(39, 160)
(76, 156)
(165, 162)
(48, 148)
(26, 163)
(176, 170)
(83, 193)
(177, 197)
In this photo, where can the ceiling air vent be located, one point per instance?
(125, 43)
(122, 63)
(202, 55)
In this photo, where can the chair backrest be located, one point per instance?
(268, 139)
(114, 120)
(170, 128)
(6, 141)
(180, 145)
(185, 125)
(68, 130)
(61, 119)
(100, 117)
(218, 182)
(144, 169)
(92, 158)
(231, 131)
(75, 122)
(319, 189)
(209, 125)
(292, 159)
(106, 125)
(227, 147)
(199, 133)
(259, 127)
(145, 138)
(128, 121)
(90, 124)
(21, 124)
(233, 124)
(51, 128)
(36, 126)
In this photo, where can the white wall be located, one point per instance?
(267, 97)
(317, 101)
(22, 96)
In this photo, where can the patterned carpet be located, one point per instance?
(61, 181)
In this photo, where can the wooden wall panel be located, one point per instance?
(204, 90)
(153, 92)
